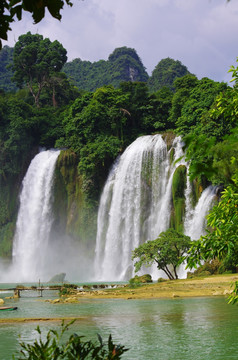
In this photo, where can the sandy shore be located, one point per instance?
(217, 285)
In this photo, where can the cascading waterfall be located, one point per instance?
(195, 219)
(135, 205)
(34, 218)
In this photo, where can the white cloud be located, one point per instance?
(202, 34)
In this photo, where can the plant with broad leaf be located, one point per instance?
(76, 348)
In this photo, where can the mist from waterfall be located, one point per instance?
(135, 205)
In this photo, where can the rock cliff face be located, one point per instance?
(8, 211)
(74, 215)
(178, 197)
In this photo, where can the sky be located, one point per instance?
(202, 34)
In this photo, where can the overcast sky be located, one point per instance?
(202, 34)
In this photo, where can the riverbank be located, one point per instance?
(216, 285)
(44, 310)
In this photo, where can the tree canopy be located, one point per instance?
(36, 61)
(166, 251)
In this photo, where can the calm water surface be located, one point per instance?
(180, 329)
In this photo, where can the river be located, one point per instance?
(202, 328)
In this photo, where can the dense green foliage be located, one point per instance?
(6, 58)
(166, 251)
(99, 125)
(54, 347)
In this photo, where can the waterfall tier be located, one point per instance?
(35, 218)
(136, 204)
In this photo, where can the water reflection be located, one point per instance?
(181, 329)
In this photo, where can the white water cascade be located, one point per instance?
(195, 219)
(35, 219)
(135, 205)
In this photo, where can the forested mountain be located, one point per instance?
(165, 73)
(122, 65)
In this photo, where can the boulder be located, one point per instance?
(141, 279)
(58, 278)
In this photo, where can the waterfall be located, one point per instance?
(135, 205)
(35, 218)
(195, 219)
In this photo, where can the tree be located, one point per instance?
(221, 241)
(166, 251)
(201, 97)
(6, 56)
(183, 87)
(36, 61)
(11, 9)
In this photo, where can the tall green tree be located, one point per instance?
(166, 251)
(36, 61)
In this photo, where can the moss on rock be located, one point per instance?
(8, 213)
(178, 197)
(74, 214)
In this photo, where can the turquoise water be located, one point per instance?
(181, 329)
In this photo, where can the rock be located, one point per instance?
(175, 296)
(227, 292)
(217, 293)
(72, 299)
(2, 301)
(141, 279)
(58, 278)
(55, 301)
